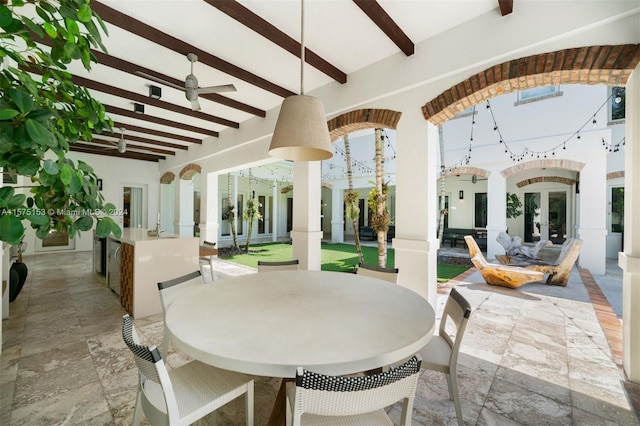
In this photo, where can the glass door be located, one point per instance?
(545, 216)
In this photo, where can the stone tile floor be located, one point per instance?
(533, 356)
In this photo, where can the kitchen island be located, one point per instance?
(142, 261)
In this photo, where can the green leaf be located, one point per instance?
(103, 228)
(37, 29)
(11, 229)
(65, 174)
(50, 167)
(50, 30)
(85, 223)
(27, 166)
(76, 183)
(22, 100)
(84, 13)
(5, 16)
(82, 166)
(16, 201)
(38, 133)
(36, 216)
(7, 114)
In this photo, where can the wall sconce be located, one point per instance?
(155, 92)
(461, 194)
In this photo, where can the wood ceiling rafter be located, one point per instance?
(381, 18)
(104, 142)
(80, 147)
(269, 31)
(131, 68)
(157, 120)
(154, 35)
(121, 93)
(160, 133)
(506, 6)
(134, 138)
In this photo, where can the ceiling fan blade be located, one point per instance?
(216, 89)
(195, 105)
(159, 80)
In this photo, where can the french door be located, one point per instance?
(545, 216)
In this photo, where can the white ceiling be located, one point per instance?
(337, 30)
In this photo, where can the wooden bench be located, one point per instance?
(498, 274)
(453, 235)
(559, 271)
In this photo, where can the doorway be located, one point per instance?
(545, 216)
(134, 205)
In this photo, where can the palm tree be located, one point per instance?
(230, 213)
(381, 216)
(251, 213)
(351, 200)
(442, 186)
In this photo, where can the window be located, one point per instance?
(617, 209)
(538, 93)
(481, 203)
(9, 178)
(617, 104)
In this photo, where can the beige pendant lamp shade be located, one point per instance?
(301, 132)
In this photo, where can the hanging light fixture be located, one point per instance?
(301, 132)
(122, 144)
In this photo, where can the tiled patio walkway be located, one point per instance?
(533, 356)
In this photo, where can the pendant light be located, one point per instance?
(301, 132)
(122, 144)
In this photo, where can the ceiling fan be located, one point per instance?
(191, 88)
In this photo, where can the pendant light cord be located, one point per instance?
(302, 47)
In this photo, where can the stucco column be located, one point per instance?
(183, 224)
(306, 234)
(209, 207)
(274, 211)
(629, 258)
(496, 212)
(593, 222)
(337, 215)
(416, 243)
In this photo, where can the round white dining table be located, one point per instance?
(270, 323)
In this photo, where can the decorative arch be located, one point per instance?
(167, 178)
(610, 65)
(467, 170)
(540, 179)
(189, 171)
(548, 163)
(360, 119)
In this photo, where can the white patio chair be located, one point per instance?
(441, 353)
(387, 274)
(185, 394)
(285, 265)
(169, 291)
(317, 399)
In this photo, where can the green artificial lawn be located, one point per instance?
(335, 257)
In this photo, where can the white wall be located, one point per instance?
(115, 174)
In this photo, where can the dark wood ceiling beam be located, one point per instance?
(377, 14)
(506, 6)
(113, 145)
(150, 33)
(114, 153)
(169, 123)
(154, 132)
(254, 22)
(116, 91)
(131, 68)
(129, 137)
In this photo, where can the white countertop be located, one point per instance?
(269, 323)
(133, 235)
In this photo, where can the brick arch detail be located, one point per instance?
(467, 170)
(610, 65)
(360, 119)
(615, 175)
(189, 171)
(167, 177)
(548, 163)
(540, 179)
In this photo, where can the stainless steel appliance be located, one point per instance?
(99, 255)
(113, 265)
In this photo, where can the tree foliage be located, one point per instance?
(42, 112)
